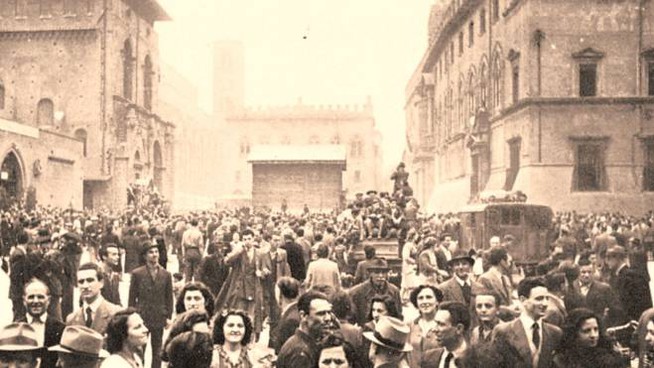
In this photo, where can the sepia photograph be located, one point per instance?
(326, 184)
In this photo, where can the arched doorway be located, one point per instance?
(11, 175)
(158, 166)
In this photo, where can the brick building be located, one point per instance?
(88, 70)
(550, 97)
(351, 127)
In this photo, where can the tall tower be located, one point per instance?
(228, 78)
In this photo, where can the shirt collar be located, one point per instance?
(620, 268)
(528, 322)
(459, 351)
(43, 317)
(462, 282)
(95, 305)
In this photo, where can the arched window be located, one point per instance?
(80, 134)
(128, 70)
(497, 82)
(245, 147)
(472, 101)
(45, 112)
(147, 83)
(483, 85)
(2, 96)
(356, 147)
(336, 139)
(314, 139)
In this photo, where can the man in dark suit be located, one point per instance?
(496, 280)
(95, 312)
(631, 287)
(48, 329)
(527, 341)
(452, 322)
(151, 293)
(586, 292)
(432, 263)
(461, 288)
(361, 273)
(110, 256)
(288, 290)
(296, 260)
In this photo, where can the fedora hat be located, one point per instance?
(18, 336)
(461, 254)
(378, 264)
(390, 332)
(83, 341)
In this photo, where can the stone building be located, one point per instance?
(85, 71)
(553, 98)
(352, 127)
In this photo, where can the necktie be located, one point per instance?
(448, 359)
(89, 317)
(37, 320)
(466, 293)
(535, 337)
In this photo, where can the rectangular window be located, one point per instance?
(20, 9)
(648, 174)
(496, 10)
(482, 21)
(357, 176)
(514, 164)
(2, 97)
(589, 167)
(650, 78)
(515, 77)
(460, 43)
(452, 52)
(471, 34)
(587, 80)
(44, 8)
(70, 7)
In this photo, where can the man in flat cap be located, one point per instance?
(376, 285)
(630, 286)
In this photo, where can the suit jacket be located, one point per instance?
(288, 323)
(111, 284)
(490, 281)
(295, 260)
(361, 273)
(54, 328)
(280, 267)
(103, 314)
(599, 298)
(432, 358)
(511, 345)
(152, 297)
(633, 292)
(452, 291)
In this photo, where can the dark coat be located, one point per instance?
(633, 292)
(132, 251)
(295, 260)
(213, 272)
(511, 345)
(53, 331)
(599, 298)
(153, 298)
(111, 284)
(299, 351)
(288, 323)
(362, 295)
(103, 315)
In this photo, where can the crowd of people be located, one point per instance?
(243, 272)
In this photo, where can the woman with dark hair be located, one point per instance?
(191, 320)
(381, 305)
(232, 332)
(585, 345)
(195, 295)
(126, 338)
(190, 350)
(426, 299)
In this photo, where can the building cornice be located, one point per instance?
(46, 34)
(142, 110)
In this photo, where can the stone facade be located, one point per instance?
(553, 98)
(89, 69)
(295, 125)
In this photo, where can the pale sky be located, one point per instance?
(352, 49)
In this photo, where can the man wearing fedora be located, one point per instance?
(95, 312)
(376, 285)
(460, 288)
(389, 344)
(48, 329)
(630, 286)
(151, 293)
(18, 346)
(80, 347)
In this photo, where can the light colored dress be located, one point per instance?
(220, 359)
(117, 361)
